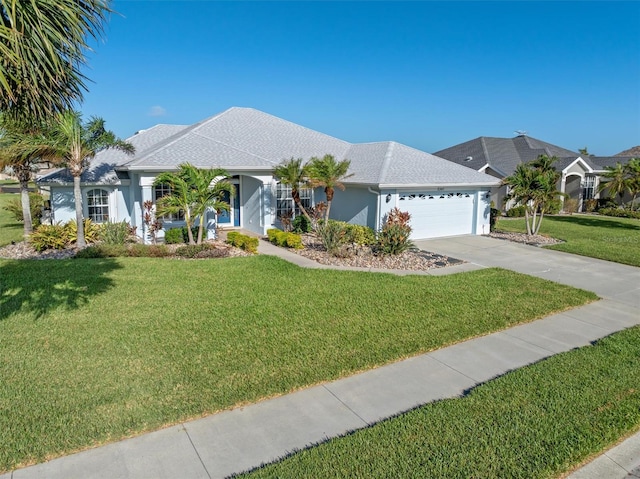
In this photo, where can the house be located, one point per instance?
(443, 198)
(498, 157)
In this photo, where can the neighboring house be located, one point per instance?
(499, 157)
(443, 198)
(610, 161)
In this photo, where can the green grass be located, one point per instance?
(95, 350)
(10, 229)
(604, 237)
(536, 422)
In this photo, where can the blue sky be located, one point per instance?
(426, 74)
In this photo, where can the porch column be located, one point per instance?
(563, 185)
(146, 184)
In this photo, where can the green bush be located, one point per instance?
(244, 242)
(36, 202)
(301, 224)
(571, 205)
(232, 237)
(619, 213)
(92, 231)
(281, 238)
(517, 211)
(148, 251)
(250, 244)
(103, 251)
(394, 236)
(494, 214)
(116, 233)
(173, 236)
(359, 234)
(294, 241)
(49, 237)
(333, 235)
(554, 207)
(590, 205)
(272, 234)
(192, 250)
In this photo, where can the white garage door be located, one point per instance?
(435, 214)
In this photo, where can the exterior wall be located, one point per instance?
(483, 212)
(63, 206)
(354, 205)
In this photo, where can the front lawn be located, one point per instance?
(96, 350)
(535, 422)
(10, 229)
(604, 237)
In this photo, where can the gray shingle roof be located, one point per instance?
(101, 169)
(504, 154)
(244, 138)
(603, 161)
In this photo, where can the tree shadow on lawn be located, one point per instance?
(39, 286)
(595, 222)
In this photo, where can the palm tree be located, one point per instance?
(328, 173)
(292, 173)
(615, 180)
(193, 192)
(22, 145)
(534, 186)
(633, 180)
(76, 143)
(43, 45)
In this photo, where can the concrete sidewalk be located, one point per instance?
(244, 438)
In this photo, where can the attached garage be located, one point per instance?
(439, 213)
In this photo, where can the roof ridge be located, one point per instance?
(387, 161)
(234, 147)
(485, 152)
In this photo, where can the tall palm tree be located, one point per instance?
(76, 143)
(193, 192)
(292, 173)
(43, 45)
(328, 173)
(22, 146)
(615, 180)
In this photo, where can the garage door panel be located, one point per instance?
(437, 214)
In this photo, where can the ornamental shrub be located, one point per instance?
(92, 231)
(516, 211)
(49, 237)
(570, 205)
(103, 251)
(301, 224)
(232, 237)
(271, 234)
(333, 235)
(36, 202)
(554, 207)
(394, 236)
(360, 234)
(173, 236)
(619, 213)
(294, 241)
(590, 205)
(116, 233)
(281, 238)
(250, 244)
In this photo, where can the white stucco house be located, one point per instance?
(443, 198)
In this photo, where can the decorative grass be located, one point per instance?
(536, 422)
(95, 350)
(603, 237)
(10, 229)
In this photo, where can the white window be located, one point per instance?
(284, 200)
(163, 190)
(98, 205)
(588, 187)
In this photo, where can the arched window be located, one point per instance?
(98, 205)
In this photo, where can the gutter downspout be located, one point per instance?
(377, 193)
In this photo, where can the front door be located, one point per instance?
(231, 217)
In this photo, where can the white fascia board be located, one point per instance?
(586, 167)
(443, 185)
(160, 169)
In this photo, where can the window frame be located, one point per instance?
(98, 212)
(165, 189)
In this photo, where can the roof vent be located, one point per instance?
(468, 158)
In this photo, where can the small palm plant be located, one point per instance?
(329, 174)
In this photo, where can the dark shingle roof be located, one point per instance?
(504, 154)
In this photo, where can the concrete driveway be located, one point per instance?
(617, 282)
